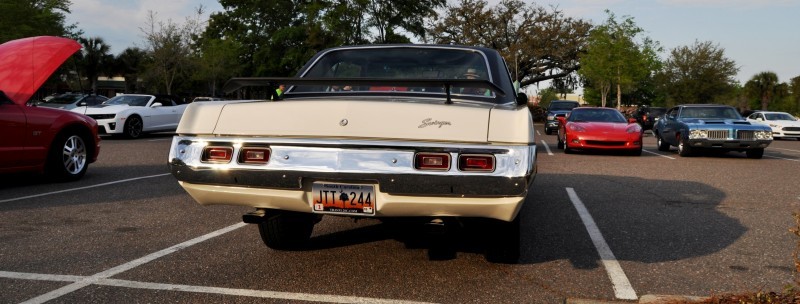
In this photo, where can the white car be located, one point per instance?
(783, 124)
(132, 115)
(399, 133)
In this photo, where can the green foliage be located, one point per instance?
(20, 19)
(615, 59)
(698, 74)
(94, 57)
(547, 95)
(541, 44)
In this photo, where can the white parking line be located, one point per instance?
(784, 149)
(622, 287)
(94, 279)
(80, 188)
(546, 147)
(782, 158)
(659, 154)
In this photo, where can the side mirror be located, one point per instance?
(522, 99)
(82, 104)
(632, 120)
(760, 119)
(561, 119)
(156, 105)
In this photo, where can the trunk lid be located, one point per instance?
(368, 118)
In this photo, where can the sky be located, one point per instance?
(759, 35)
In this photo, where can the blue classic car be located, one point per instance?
(708, 126)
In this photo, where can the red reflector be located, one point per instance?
(216, 154)
(432, 161)
(254, 155)
(476, 162)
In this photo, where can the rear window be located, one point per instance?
(399, 63)
(563, 106)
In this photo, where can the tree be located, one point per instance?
(615, 59)
(698, 74)
(764, 86)
(390, 16)
(20, 19)
(130, 63)
(543, 44)
(168, 45)
(218, 61)
(94, 57)
(794, 91)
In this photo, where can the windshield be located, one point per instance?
(65, 99)
(596, 115)
(563, 106)
(399, 63)
(130, 100)
(710, 113)
(779, 116)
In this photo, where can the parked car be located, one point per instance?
(709, 126)
(202, 98)
(647, 116)
(783, 124)
(378, 131)
(132, 115)
(69, 101)
(557, 108)
(599, 129)
(58, 143)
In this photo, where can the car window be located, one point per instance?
(399, 63)
(596, 115)
(65, 99)
(135, 101)
(562, 106)
(709, 113)
(166, 102)
(780, 116)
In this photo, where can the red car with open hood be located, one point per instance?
(59, 143)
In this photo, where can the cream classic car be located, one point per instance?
(416, 132)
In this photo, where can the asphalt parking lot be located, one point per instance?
(596, 226)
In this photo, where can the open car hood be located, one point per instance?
(25, 64)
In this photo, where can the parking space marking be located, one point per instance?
(659, 154)
(81, 188)
(86, 281)
(546, 147)
(783, 158)
(264, 294)
(622, 287)
(784, 149)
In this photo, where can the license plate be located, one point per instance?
(343, 198)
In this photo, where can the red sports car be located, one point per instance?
(59, 143)
(600, 129)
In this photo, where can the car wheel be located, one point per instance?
(560, 143)
(67, 159)
(286, 230)
(755, 153)
(504, 245)
(662, 145)
(636, 152)
(683, 148)
(547, 131)
(133, 127)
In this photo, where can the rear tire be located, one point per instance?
(286, 230)
(755, 153)
(67, 159)
(504, 245)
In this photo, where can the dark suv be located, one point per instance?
(648, 116)
(557, 108)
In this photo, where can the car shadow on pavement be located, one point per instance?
(661, 220)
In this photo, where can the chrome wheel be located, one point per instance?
(73, 155)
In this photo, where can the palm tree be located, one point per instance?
(764, 85)
(95, 56)
(129, 64)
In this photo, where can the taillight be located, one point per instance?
(217, 154)
(254, 155)
(476, 162)
(432, 161)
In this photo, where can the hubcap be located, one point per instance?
(74, 154)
